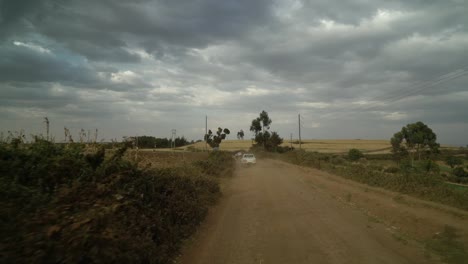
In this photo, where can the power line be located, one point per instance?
(412, 90)
(419, 85)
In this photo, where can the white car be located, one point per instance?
(248, 159)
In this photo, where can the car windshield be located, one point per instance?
(249, 156)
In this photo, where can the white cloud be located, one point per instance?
(319, 105)
(255, 91)
(395, 116)
(380, 22)
(207, 96)
(32, 46)
(140, 52)
(124, 77)
(368, 103)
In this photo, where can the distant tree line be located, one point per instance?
(154, 142)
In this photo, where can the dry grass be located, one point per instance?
(165, 159)
(325, 146)
(320, 145)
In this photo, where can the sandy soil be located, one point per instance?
(276, 212)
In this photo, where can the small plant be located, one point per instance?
(392, 170)
(453, 161)
(460, 172)
(355, 154)
(446, 244)
(400, 238)
(337, 160)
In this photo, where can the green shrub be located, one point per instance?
(219, 163)
(375, 167)
(392, 170)
(448, 246)
(64, 206)
(460, 172)
(355, 154)
(453, 161)
(338, 160)
(422, 180)
(428, 166)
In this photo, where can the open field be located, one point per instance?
(374, 146)
(164, 159)
(325, 145)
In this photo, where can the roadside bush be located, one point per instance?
(453, 161)
(355, 154)
(337, 160)
(392, 170)
(460, 172)
(219, 163)
(281, 149)
(428, 166)
(406, 167)
(59, 205)
(375, 167)
(422, 180)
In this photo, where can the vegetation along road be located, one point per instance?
(276, 212)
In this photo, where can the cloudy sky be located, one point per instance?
(352, 69)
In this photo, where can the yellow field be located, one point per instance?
(325, 145)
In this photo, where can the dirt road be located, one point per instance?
(280, 213)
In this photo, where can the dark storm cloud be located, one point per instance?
(20, 63)
(379, 41)
(144, 60)
(13, 11)
(93, 28)
(37, 95)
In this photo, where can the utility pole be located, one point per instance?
(300, 141)
(206, 133)
(136, 148)
(173, 138)
(46, 120)
(290, 141)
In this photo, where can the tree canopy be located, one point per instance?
(453, 161)
(261, 126)
(261, 123)
(414, 139)
(214, 140)
(240, 134)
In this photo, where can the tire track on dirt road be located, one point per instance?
(269, 214)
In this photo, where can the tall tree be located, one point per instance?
(417, 138)
(240, 134)
(261, 126)
(260, 123)
(214, 140)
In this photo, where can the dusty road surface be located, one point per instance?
(275, 212)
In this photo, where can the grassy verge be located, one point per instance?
(446, 245)
(423, 183)
(428, 185)
(62, 204)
